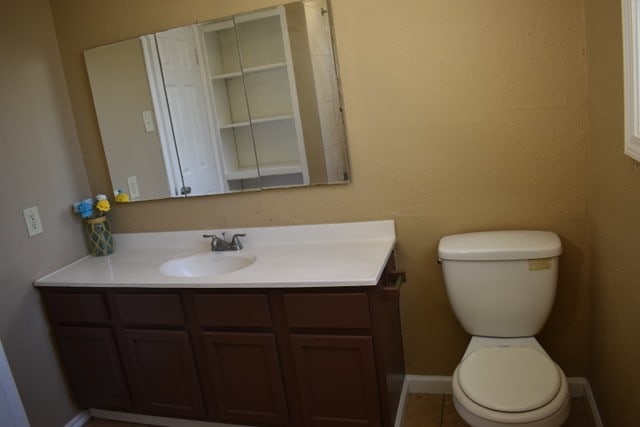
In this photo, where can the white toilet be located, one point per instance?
(501, 286)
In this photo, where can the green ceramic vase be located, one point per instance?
(99, 234)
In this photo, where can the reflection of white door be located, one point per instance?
(11, 410)
(325, 78)
(183, 85)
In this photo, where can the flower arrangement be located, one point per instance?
(98, 234)
(87, 209)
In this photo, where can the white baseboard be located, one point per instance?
(402, 404)
(436, 384)
(79, 420)
(591, 400)
(576, 386)
(431, 384)
(158, 421)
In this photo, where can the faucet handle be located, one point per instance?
(235, 241)
(214, 240)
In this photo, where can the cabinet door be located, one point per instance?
(93, 366)
(246, 376)
(165, 372)
(337, 380)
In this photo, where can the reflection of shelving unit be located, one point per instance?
(254, 100)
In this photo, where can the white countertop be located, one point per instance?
(326, 255)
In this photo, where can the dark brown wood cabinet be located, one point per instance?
(164, 372)
(245, 370)
(321, 357)
(337, 380)
(93, 366)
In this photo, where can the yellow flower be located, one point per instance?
(103, 205)
(122, 198)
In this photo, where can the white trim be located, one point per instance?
(10, 395)
(593, 406)
(437, 384)
(402, 404)
(293, 89)
(79, 420)
(434, 384)
(631, 54)
(157, 421)
(217, 26)
(576, 386)
(162, 114)
(254, 16)
(214, 137)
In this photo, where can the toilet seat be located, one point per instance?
(509, 379)
(480, 407)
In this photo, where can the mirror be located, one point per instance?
(243, 103)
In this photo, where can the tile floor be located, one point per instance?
(95, 422)
(423, 410)
(437, 410)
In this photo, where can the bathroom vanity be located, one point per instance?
(306, 332)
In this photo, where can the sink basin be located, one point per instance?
(206, 264)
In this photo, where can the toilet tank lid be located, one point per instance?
(500, 245)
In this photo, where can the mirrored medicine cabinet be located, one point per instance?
(243, 103)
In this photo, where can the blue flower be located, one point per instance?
(84, 208)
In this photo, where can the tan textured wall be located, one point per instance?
(40, 165)
(614, 225)
(461, 116)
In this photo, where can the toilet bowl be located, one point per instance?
(510, 381)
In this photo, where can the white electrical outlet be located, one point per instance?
(32, 220)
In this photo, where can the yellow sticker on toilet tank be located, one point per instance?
(539, 264)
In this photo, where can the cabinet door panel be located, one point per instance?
(337, 380)
(91, 360)
(165, 372)
(247, 378)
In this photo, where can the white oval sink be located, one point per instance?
(206, 264)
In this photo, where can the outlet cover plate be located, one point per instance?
(32, 220)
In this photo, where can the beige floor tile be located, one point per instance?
(579, 415)
(96, 422)
(427, 410)
(423, 410)
(450, 417)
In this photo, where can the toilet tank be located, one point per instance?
(501, 283)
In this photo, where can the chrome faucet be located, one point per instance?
(220, 244)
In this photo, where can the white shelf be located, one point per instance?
(233, 75)
(265, 67)
(265, 74)
(272, 118)
(236, 74)
(258, 120)
(234, 125)
(265, 170)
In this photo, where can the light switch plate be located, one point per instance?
(134, 192)
(147, 119)
(32, 220)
